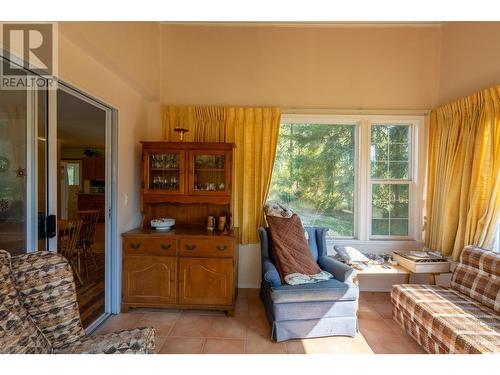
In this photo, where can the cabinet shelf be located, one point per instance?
(201, 168)
(209, 170)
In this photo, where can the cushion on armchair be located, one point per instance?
(292, 255)
(327, 291)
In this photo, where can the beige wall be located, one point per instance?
(319, 67)
(83, 70)
(470, 58)
(130, 50)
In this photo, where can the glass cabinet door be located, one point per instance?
(164, 171)
(210, 172)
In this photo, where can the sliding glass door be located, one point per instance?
(23, 170)
(41, 131)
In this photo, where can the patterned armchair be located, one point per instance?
(39, 311)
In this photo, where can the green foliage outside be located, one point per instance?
(314, 174)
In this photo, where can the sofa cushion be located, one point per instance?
(329, 290)
(314, 310)
(478, 276)
(454, 320)
(18, 333)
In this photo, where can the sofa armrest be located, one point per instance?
(270, 273)
(339, 270)
(134, 341)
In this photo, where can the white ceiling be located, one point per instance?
(297, 24)
(79, 124)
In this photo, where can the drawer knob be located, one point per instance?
(221, 247)
(166, 246)
(190, 247)
(135, 245)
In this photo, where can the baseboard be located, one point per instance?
(363, 289)
(376, 289)
(248, 286)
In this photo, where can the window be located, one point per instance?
(356, 175)
(314, 174)
(73, 173)
(389, 179)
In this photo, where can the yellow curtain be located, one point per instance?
(463, 192)
(205, 124)
(255, 134)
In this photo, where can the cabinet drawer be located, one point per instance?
(150, 246)
(210, 248)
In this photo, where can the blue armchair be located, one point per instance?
(327, 308)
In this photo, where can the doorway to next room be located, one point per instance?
(81, 198)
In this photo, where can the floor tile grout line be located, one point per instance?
(172, 328)
(203, 346)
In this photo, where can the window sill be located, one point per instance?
(375, 246)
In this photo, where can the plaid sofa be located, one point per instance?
(39, 311)
(464, 318)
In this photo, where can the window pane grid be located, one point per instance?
(389, 152)
(390, 209)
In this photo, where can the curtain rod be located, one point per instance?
(337, 111)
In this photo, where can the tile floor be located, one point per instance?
(211, 332)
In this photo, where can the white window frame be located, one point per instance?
(363, 182)
(410, 181)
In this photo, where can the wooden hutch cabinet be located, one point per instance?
(186, 266)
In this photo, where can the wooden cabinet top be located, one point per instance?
(181, 232)
(186, 181)
(187, 145)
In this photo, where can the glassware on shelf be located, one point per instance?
(165, 161)
(165, 183)
(209, 162)
(220, 162)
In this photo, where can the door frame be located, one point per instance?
(112, 255)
